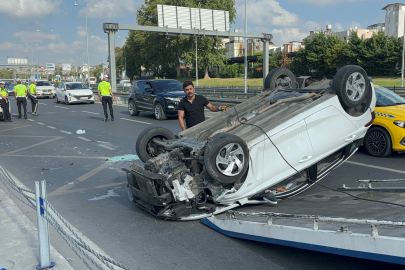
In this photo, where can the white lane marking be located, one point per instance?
(61, 107)
(31, 120)
(43, 104)
(51, 127)
(39, 123)
(66, 132)
(84, 139)
(107, 147)
(375, 167)
(136, 121)
(91, 112)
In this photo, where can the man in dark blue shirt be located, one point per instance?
(191, 107)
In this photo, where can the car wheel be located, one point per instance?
(352, 86)
(226, 158)
(57, 99)
(378, 142)
(91, 102)
(132, 108)
(67, 101)
(145, 147)
(280, 77)
(159, 112)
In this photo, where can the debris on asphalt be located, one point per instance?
(80, 131)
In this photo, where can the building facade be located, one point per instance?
(394, 19)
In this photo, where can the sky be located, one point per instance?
(62, 26)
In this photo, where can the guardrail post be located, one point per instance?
(43, 229)
(222, 93)
(255, 92)
(394, 88)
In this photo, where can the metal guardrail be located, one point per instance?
(232, 94)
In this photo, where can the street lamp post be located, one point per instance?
(87, 39)
(46, 58)
(246, 65)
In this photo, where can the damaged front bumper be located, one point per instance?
(152, 191)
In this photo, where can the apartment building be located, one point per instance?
(394, 19)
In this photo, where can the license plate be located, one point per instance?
(83, 98)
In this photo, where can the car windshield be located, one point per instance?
(168, 86)
(75, 86)
(386, 97)
(8, 84)
(43, 84)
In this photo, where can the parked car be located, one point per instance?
(74, 92)
(158, 96)
(10, 88)
(387, 133)
(271, 147)
(125, 83)
(45, 89)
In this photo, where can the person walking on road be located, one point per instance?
(31, 95)
(4, 102)
(20, 94)
(105, 95)
(191, 107)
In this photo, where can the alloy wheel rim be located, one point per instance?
(131, 107)
(158, 112)
(376, 142)
(355, 86)
(229, 160)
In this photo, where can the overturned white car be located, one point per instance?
(270, 147)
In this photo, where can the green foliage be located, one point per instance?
(6, 74)
(162, 54)
(323, 55)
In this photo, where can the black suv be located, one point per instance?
(159, 96)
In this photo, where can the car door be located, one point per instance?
(329, 129)
(59, 92)
(149, 95)
(139, 91)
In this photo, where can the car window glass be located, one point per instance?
(168, 86)
(148, 86)
(75, 86)
(141, 86)
(386, 97)
(43, 84)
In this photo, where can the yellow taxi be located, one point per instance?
(387, 133)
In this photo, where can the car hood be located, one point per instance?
(173, 94)
(81, 92)
(45, 87)
(397, 111)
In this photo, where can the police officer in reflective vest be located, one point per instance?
(4, 102)
(20, 92)
(105, 95)
(31, 95)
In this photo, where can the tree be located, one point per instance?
(163, 54)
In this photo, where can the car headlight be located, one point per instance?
(400, 124)
(173, 98)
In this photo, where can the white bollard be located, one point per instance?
(43, 229)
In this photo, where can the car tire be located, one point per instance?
(159, 112)
(280, 77)
(132, 108)
(57, 100)
(352, 86)
(378, 142)
(91, 102)
(221, 152)
(145, 147)
(67, 101)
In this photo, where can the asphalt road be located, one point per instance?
(86, 185)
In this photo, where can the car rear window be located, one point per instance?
(168, 86)
(43, 84)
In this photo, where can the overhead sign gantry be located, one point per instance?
(197, 23)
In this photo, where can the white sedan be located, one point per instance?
(74, 92)
(271, 147)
